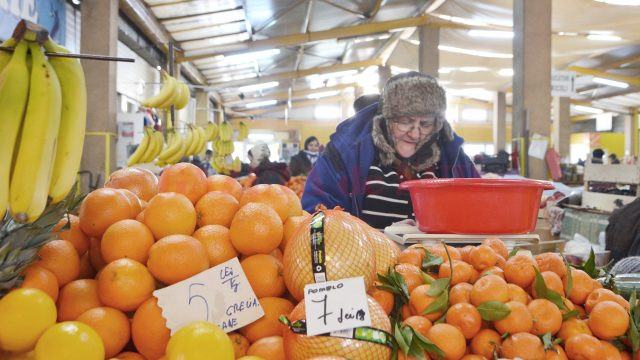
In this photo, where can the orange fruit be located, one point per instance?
(624, 355)
(170, 214)
(439, 250)
(268, 325)
(555, 353)
(265, 275)
(462, 271)
(581, 288)
(449, 339)
(128, 355)
(466, 318)
(518, 320)
(418, 323)
(73, 234)
(256, 229)
(384, 298)
(294, 206)
(216, 208)
(482, 257)
(77, 297)
(224, 183)
(127, 238)
(240, 344)
(501, 262)
(473, 357)
(572, 327)
(546, 316)
(149, 330)
(410, 274)
(95, 254)
(465, 251)
(523, 345)
(134, 203)
(485, 343)
(516, 293)
(488, 288)
(584, 347)
(112, 325)
(177, 257)
(270, 195)
(475, 275)
(493, 270)
(61, 258)
(551, 262)
(142, 182)
(498, 246)
(271, 348)
(86, 269)
(406, 311)
(608, 320)
(411, 256)
(599, 295)
(215, 239)
(101, 208)
(460, 293)
(552, 281)
(37, 277)
(610, 351)
(184, 178)
(520, 270)
(289, 228)
(124, 284)
(419, 301)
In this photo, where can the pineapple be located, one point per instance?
(19, 243)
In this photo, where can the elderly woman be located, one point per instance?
(404, 137)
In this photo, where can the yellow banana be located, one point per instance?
(166, 93)
(184, 96)
(73, 120)
(152, 145)
(156, 144)
(32, 172)
(180, 153)
(188, 140)
(225, 131)
(213, 131)
(5, 56)
(159, 144)
(243, 131)
(172, 146)
(203, 141)
(14, 92)
(197, 137)
(142, 148)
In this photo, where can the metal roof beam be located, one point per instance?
(631, 80)
(284, 95)
(627, 91)
(336, 33)
(295, 104)
(618, 63)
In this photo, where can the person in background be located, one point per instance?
(613, 159)
(404, 137)
(206, 164)
(365, 100)
(302, 162)
(596, 156)
(267, 172)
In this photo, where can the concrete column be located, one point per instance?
(499, 121)
(99, 35)
(429, 55)
(384, 73)
(532, 74)
(203, 108)
(628, 136)
(561, 132)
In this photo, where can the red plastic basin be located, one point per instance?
(476, 206)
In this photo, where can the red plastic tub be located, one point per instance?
(476, 206)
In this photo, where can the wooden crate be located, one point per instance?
(616, 174)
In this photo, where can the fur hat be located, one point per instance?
(411, 94)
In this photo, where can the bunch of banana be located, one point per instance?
(223, 148)
(243, 131)
(42, 123)
(225, 131)
(173, 92)
(150, 147)
(212, 131)
(174, 150)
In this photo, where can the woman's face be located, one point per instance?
(313, 146)
(410, 131)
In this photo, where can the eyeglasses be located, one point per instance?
(424, 125)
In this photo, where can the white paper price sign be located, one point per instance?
(336, 305)
(221, 295)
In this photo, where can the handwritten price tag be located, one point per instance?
(336, 305)
(221, 295)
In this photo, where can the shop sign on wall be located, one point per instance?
(563, 83)
(48, 13)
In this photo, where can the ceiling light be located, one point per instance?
(505, 72)
(621, 2)
(474, 52)
(244, 76)
(261, 104)
(567, 33)
(603, 81)
(587, 109)
(250, 56)
(474, 115)
(444, 70)
(602, 37)
(472, 69)
(258, 87)
(323, 94)
(491, 34)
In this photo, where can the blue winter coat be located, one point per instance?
(339, 176)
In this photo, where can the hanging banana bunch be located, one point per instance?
(225, 131)
(243, 131)
(172, 92)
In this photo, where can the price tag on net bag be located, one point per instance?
(336, 305)
(221, 295)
